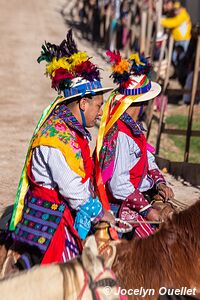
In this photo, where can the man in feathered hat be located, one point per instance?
(55, 202)
(126, 167)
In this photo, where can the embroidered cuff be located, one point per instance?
(136, 201)
(145, 208)
(157, 177)
(99, 217)
(145, 212)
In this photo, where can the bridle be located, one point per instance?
(88, 281)
(95, 284)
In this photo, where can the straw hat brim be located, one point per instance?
(151, 94)
(100, 90)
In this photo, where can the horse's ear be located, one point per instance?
(109, 253)
(90, 259)
(91, 244)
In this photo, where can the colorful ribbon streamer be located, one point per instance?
(23, 182)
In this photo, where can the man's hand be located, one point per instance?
(165, 191)
(108, 217)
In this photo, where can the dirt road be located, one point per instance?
(25, 92)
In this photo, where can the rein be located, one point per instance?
(64, 280)
(86, 282)
(129, 226)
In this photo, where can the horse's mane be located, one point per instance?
(170, 252)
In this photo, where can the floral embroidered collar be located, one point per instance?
(65, 114)
(136, 127)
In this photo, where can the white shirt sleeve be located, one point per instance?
(151, 161)
(126, 157)
(50, 169)
(120, 184)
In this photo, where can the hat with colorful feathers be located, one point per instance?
(71, 71)
(132, 77)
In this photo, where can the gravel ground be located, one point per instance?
(25, 92)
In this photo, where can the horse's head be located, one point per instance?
(92, 262)
(102, 278)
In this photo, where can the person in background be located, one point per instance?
(178, 21)
(185, 67)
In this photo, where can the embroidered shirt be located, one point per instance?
(50, 169)
(126, 156)
(52, 166)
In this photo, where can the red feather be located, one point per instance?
(114, 56)
(126, 84)
(60, 74)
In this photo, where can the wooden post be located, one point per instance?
(169, 60)
(143, 30)
(108, 21)
(161, 57)
(160, 126)
(149, 28)
(151, 103)
(193, 96)
(159, 5)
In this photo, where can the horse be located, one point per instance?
(168, 259)
(84, 277)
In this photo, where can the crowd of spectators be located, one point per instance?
(116, 24)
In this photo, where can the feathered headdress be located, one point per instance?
(65, 62)
(123, 69)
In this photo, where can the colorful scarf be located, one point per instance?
(53, 111)
(113, 110)
(107, 153)
(64, 113)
